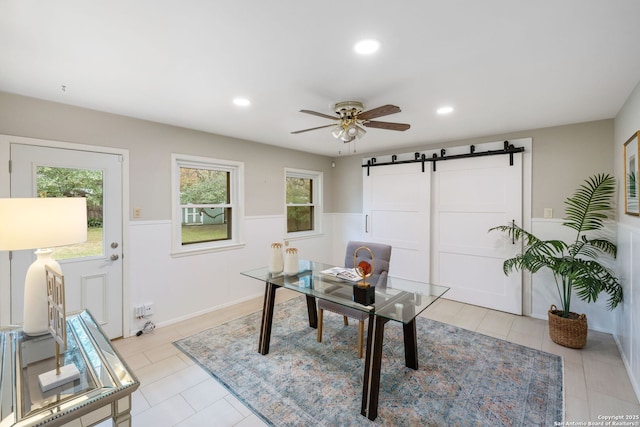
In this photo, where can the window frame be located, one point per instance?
(236, 203)
(316, 190)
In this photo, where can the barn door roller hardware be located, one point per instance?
(422, 158)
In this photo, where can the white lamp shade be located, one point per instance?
(32, 223)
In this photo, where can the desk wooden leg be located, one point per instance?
(372, 363)
(267, 318)
(313, 312)
(410, 345)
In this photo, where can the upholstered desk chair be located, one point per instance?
(381, 255)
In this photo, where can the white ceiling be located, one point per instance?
(503, 65)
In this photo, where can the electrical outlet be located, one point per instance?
(138, 311)
(148, 310)
(548, 212)
(137, 212)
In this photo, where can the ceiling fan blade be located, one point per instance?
(387, 125)
(315, 113)
(379, 112)
(319, 127)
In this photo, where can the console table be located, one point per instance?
(103, 390)
(401, 301)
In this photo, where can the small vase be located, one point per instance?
(276, 264)
(291, 262)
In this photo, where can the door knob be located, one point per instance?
(114, 245)
(114, 257)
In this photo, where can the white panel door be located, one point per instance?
(396, 204)
(93, 271)
(469, 197)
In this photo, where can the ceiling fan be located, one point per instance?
(352, 119)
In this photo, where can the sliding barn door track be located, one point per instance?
(508, 149)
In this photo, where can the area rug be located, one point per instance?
(464, 378)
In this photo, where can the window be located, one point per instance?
(303, 201)
(68, 182)
(207, 203)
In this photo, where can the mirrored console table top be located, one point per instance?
(103, 390)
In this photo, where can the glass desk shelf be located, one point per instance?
(103, 390)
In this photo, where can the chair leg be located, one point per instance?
(346, 320)
(320, 316)
(360, 338)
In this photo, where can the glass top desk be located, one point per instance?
(401, 301)
(103, 390)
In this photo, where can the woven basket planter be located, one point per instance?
(569, 332)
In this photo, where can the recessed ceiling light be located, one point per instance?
(367, 47)
(242, 102)
(444, 110)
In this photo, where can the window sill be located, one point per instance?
(199, 251)
(303, 235)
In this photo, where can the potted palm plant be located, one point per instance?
(575, 265)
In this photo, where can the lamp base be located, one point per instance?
(36, 308)
(51, 379)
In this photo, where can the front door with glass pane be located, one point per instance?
(93, 270)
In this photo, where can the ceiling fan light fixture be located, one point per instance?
(338, 132)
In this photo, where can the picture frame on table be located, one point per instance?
(631, 159)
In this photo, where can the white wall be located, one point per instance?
(628, 316)
(187, 286)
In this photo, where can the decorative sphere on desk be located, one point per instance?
(363, 268)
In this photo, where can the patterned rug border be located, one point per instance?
(300, 301)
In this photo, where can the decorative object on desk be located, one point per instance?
(574, 265)
(291, 264)
(631, 159)
(276, 265)
(465, 378)
(363, 292)
(29, 223)
(365, 295)
(363, 268)
(58, 328)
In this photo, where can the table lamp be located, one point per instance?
(31, 223)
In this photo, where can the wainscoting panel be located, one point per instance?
(186, 286)
(628, 316)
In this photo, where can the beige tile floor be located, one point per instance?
(176, 392)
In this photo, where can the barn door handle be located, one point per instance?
(513, 235)
(366, 223)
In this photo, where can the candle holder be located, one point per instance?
(276, 265)
(291, 265)
(363, 292)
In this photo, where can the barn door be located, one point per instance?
(396, 205)
(469, 197)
